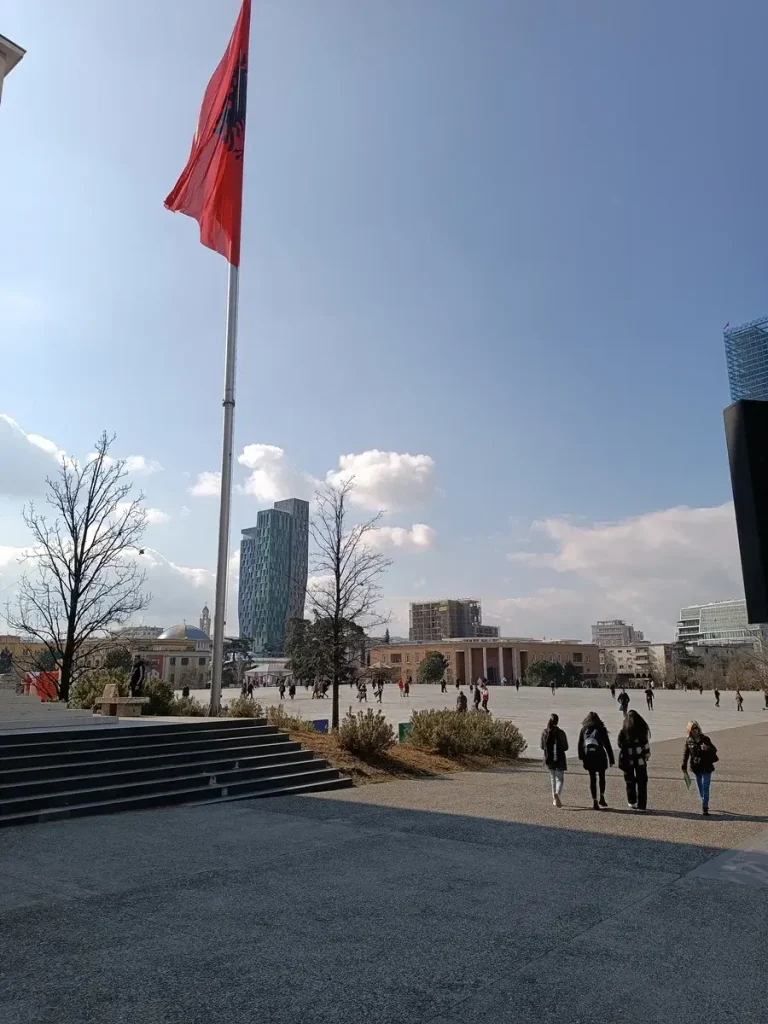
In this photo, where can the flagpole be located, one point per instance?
(227, 447)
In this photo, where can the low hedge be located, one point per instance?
(456, 733)
(243, 707)
(290, 723)
(366, 733)
(188, 707)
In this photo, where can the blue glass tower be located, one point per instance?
(746, 355)
(273, 574)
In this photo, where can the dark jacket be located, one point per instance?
(554, 743)
(595, 751)
(702, 754)
(633, 753)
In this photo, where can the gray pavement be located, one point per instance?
(456, 900)
(530, 707)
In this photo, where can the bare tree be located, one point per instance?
(83, 581)
(347, 591)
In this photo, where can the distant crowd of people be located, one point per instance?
(595, 752)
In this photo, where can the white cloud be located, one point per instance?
(207, 485)
(420, 537)
(25, 460)
(156, 516)
(141, 464)
(19, 308)
(273, 477)
(643, 568)
(133, 463)
(184, 511)
(387, 480)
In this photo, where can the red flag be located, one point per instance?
(210, 188)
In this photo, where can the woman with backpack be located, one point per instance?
(634, 755)
(596, 754)
(554, 743)
(701, 752)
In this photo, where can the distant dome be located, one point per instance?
(183, 632)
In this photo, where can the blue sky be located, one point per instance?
(503, 234)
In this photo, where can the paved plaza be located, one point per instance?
(530, 707)
(465, 899)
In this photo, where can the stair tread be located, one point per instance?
(271, 751)
(126, 776)
(63, 812)
(314, 765)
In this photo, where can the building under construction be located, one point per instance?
(746, 355)
(446, 619)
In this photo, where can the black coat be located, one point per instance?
(702, 754)
(554, 743)
(596, 760)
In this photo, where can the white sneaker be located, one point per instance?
(632, 807)
(557, 802)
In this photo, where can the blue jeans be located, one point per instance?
(703, 782)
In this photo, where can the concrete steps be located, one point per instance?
(50, 775)
(22, 711)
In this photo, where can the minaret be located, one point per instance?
(205, 620)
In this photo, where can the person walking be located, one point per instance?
(517, 684)
(458, 683)
(634, 754)
(701, 689)
(362, 693)
(281, 689)
(407, 687)
(461, 701)
(137, 677)
(554, 687)
(244, 690)
(596, 755)
(484, 695)
(400, 685)
(623, 700)
(249, 688)
(504, 681)
(649, 698)
(443, 685)
(739, 701)
(292, 689)
(613, 691)
(379, 691)
(717, 698)
(701, 752)
(476, 696)
(554, 743)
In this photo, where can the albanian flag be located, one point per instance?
(210, 188)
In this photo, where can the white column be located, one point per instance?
(485, 662)
(501, 663)
(468, 666)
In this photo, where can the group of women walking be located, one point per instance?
(595, 752)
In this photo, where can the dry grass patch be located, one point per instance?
(402, 761)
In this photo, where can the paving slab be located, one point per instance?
(457, 900)
(530, 707)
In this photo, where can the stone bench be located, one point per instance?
(112, 704)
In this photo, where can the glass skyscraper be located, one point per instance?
(746, 355)
(273, 574)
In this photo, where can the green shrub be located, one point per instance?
(290, 723)
(188, 707)
(455, 733)
(89, 688)
(160, 695)
(366, 733)
(243, 707)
